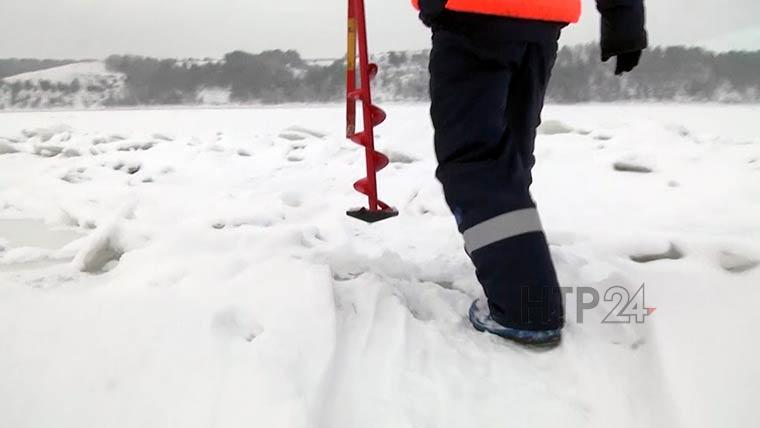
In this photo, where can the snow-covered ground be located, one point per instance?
(195, 268)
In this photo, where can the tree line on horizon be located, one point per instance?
(666, 74)
(269, 77)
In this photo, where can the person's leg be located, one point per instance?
(484, 166)
(526, 282)
(526, 98)
(469, 89)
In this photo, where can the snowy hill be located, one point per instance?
(86, 72)
(195, 268)
(14, 66)
(83, 84)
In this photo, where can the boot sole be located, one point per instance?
(549, 344)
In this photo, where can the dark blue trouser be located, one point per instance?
(487, 98)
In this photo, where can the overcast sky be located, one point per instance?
(199, 28)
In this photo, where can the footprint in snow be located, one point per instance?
(307, 131)
(159, 136)
(554, 127)
(672, 253)
(47, 150)
(291, 136)
(10, 140)
(400, 157)
(737, 263)
(46, 134)
(292, 199)
(101, 139)
(258, 220)
(632, 166)
(7, 149)
(98, 140)
(311, 238)
(76, 176)
(71, 153)
(101, 254)
(236, 323)
(133, 146)
(345, 276)
(130, 169)
(681, 130)
(638, 344)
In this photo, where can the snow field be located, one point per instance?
(196, 268)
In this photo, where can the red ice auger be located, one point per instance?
(372, 115)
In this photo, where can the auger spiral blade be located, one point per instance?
(372, 115)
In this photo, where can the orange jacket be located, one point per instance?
(542, 10)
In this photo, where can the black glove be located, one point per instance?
(623, 32)
(627, 62)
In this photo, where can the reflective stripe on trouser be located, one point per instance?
(486, 100)
(502, 227)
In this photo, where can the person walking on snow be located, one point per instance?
(489, 68)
